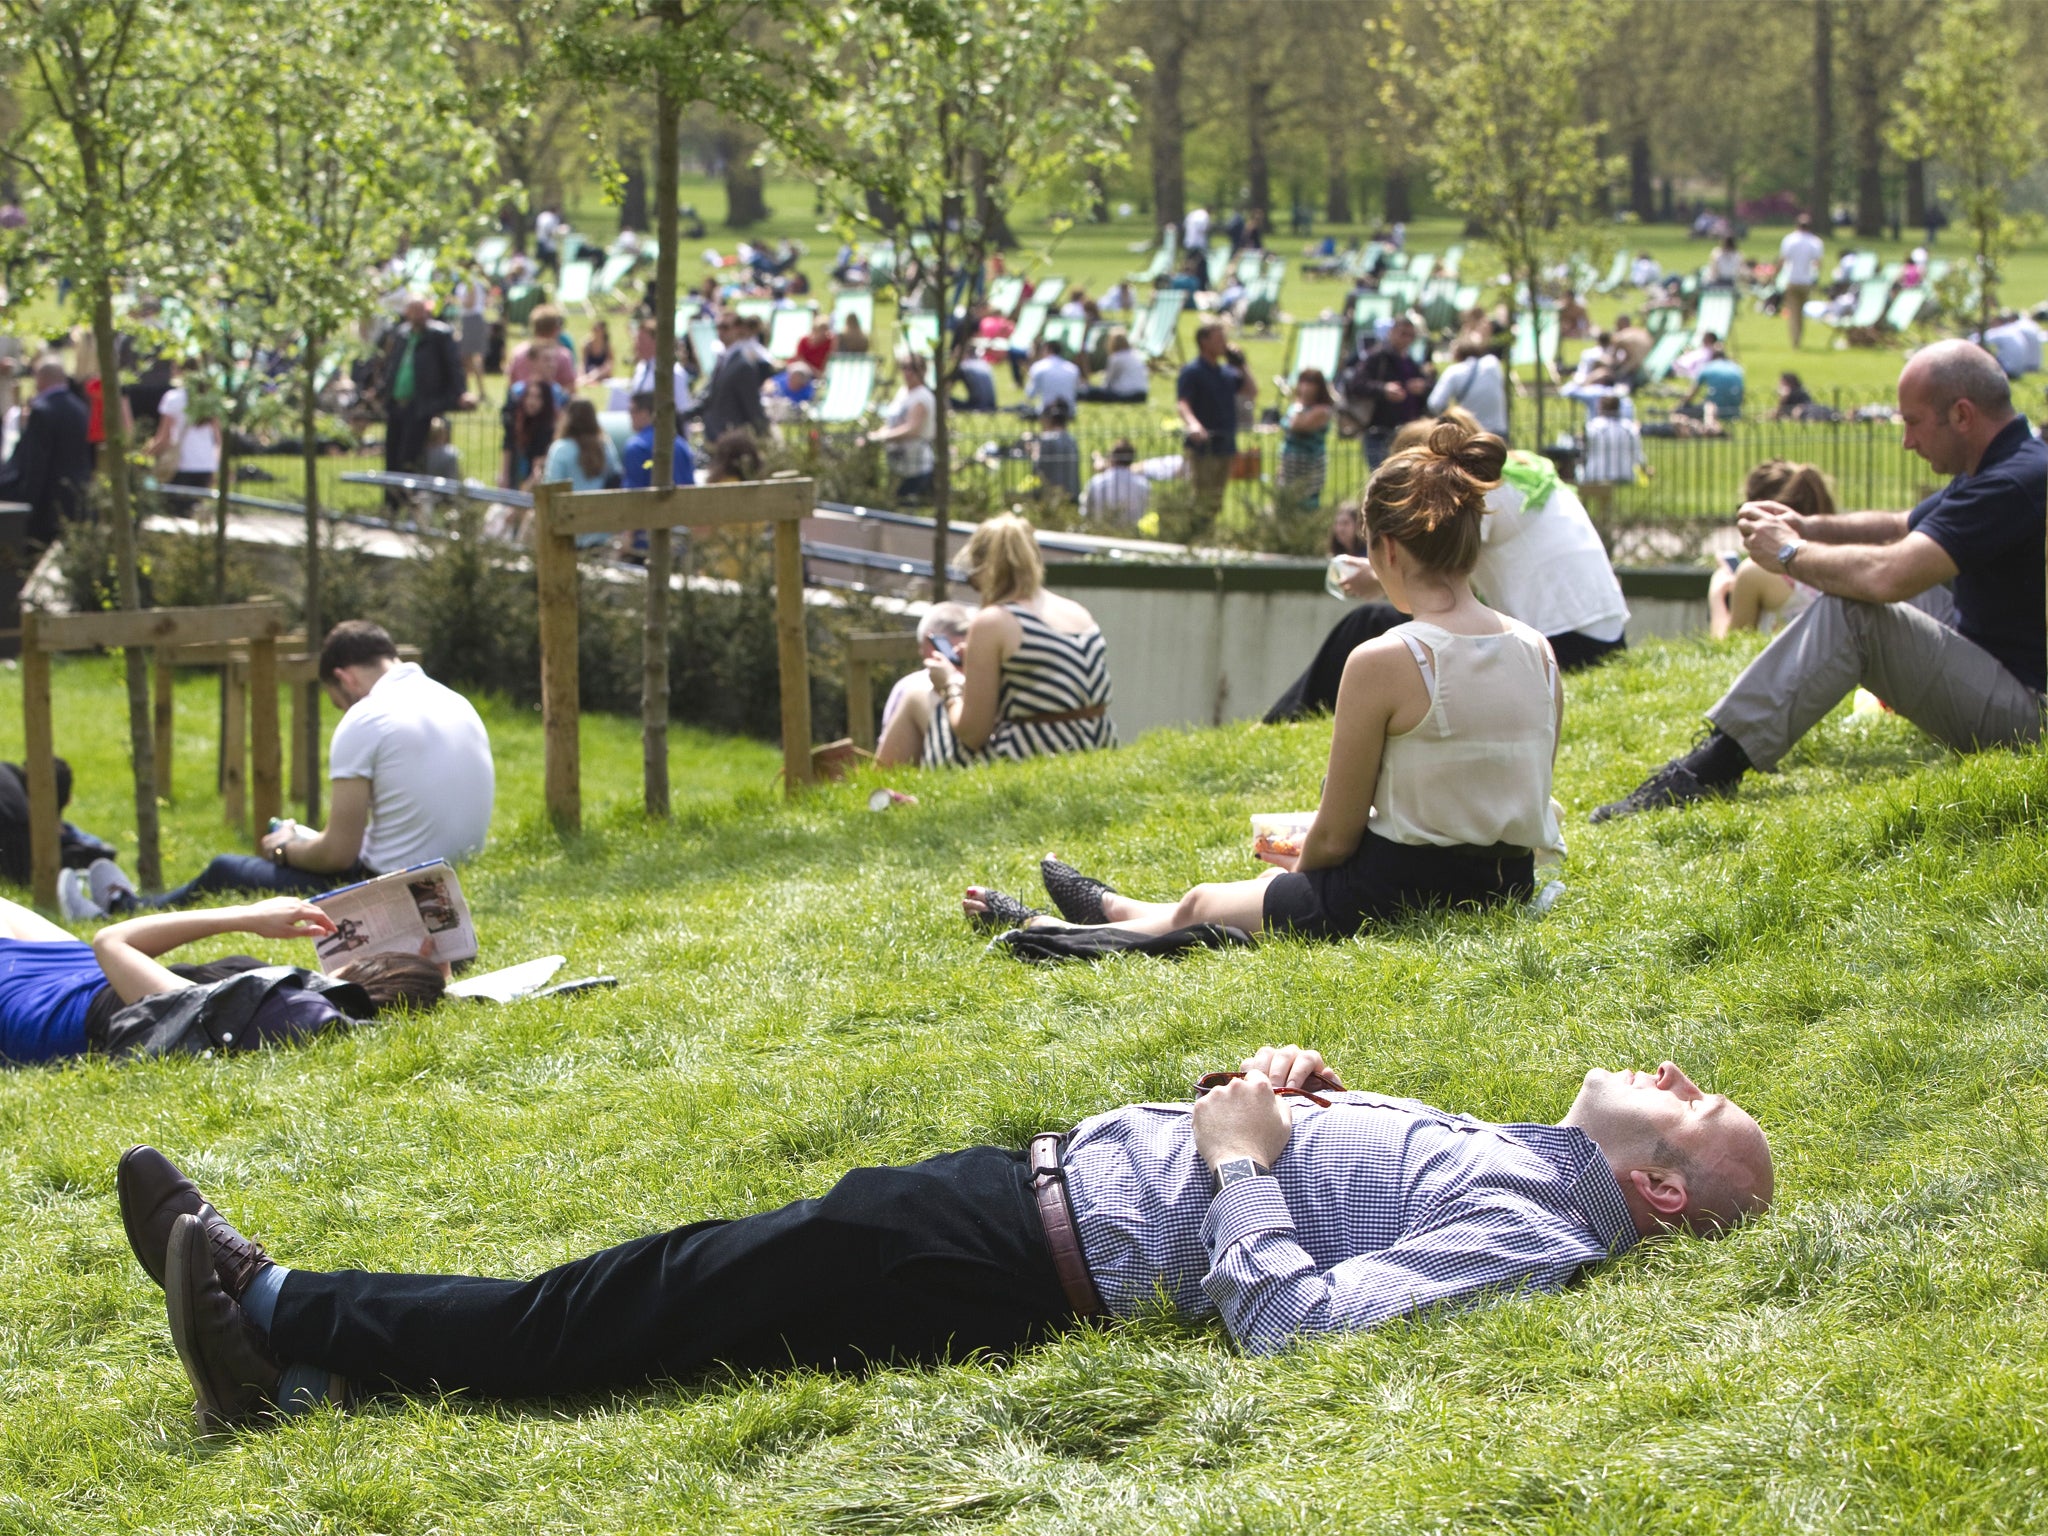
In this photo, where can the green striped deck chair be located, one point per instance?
(1370, 309)
(1030, 323)
(1533, 343)
(612, 273)
(855, 301)
(1071, 333)
(762, 310)
(1466, 297)
(918, 333)
(1716, 314)
(1251, 267)
(1004, 295)
(1863, 267)
(1162, 258)
(1871, 300)
(849, 385)
(1049, 291)
(704, 342)
(1218, 257)
(1663, 356)
(787, 328)
(1454, 258)
(575, 288)
(520, 303)
(491, 253)
(1159, 330)
(1906, 309)
(1617, 274)
(1316, 345)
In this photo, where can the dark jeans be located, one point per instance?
(1378, 441)
(923, 1263)
(405, 438)
(236, 872)
(1315, 691)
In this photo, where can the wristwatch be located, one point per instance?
(1237, 1170)
(1786, 551)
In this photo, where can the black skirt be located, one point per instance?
(1384, 880)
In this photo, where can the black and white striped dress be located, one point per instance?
(1051, 673)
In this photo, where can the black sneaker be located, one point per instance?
(1673, 784)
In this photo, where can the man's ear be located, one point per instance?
(1662, 1189)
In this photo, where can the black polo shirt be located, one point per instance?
(1210, 390)
(1990, 522)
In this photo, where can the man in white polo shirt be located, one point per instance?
(412, 779)
(1799, 256)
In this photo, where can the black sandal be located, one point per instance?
(1078, 896)
(1001, 913)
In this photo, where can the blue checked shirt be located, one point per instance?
(1379, 1207)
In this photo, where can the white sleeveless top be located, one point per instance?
(1476, 770)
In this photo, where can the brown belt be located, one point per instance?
(1049, 1184)
(1091, 712)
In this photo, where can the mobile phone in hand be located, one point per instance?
(947, 649)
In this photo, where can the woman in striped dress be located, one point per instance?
(1033, 678)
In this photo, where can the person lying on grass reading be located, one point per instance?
(62, 997)
(1278, 1201)
(1438, 792)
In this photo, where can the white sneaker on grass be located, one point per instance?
(73, 897)
(106, 881)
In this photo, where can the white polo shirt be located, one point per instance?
(428, 759)
(1799, 253)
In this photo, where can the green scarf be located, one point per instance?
(1531, 474)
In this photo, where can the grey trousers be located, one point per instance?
(1905, 653)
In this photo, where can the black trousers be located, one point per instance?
(933, 1261)
(405, 438)
(1315, 691)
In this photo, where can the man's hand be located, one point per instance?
(1289, 1066)
(1196, 431)
(1394, 391)
(1766, 528)
(286, 917)
(287, 832)
(1242, 1119)
(1362, 583)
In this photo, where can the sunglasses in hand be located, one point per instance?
(1210, 1080)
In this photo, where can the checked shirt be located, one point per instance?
(1379, 1207)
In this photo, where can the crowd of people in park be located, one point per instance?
(1478, 592)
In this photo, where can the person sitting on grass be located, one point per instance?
(1937, 611)
(411, 781)
(1277, 1200)
(1742, 594)
(62, 997)
(1035, 677)
(1438, 791)
(1540, 561)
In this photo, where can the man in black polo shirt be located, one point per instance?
(1396, 385)
(1938, 611)
(1206, 397)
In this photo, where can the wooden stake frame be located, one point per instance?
(560, 514)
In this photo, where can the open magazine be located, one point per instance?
(416, 911)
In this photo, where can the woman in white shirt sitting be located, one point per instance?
(1124, 379)
(1438, 790)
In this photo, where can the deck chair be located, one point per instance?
(1316, 345)
(1162, 257)
(1030, 324)
(762, 310)
(1454, 258)
(1004, 295)
(918, 332)
(575, 290)
(1663, 356)
(1871, 300)
(1370, 309)
(789, 327)
(1439, 303)
(1716, 314)
(1906, 309)
(1863, 267)
(1049, 291)
(849, 384)
(1219, 268)
(1534, 343)
(612, 273)
(1250, 268)
(491, 253)
(1069, 333)
(855, 301)
(1617, 274)
(705, 343)
(1159, 330)
(1421, 265)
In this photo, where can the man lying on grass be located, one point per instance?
(1937, 611)
(1279, 1201)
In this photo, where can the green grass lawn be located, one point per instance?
(1855, 949)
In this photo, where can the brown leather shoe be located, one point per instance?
(153, 1195)
(226, 1357)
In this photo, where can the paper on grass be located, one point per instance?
(513, 981)
(416, 911)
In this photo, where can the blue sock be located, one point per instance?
(260, 1299)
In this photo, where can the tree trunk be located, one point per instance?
(1337, 188)
(942, 442)
(746, 202)
(114, 454)
(1536, 325)
(1642, 190)
(309, 460)
(1916, 194)
(1258, 175)
(1169, 175)
(633, 195)
(1395, 196)
(1866, 96)
(995, 222)
(654, 681)
(1820, 195)
(222, 482)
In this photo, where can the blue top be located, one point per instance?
(45, 989)
(1379, 1208)
(1722, 381)
(638, 472)
(1989, 523)
(1210, 390)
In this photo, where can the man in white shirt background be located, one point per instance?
(411, 781)
(1799, 257)
(1053, 378)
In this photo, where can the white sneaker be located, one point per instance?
(105, 879)
(72, 898)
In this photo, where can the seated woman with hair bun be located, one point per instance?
(1033, 676)
(62, 997)
(1438, 791)
(1742, 594)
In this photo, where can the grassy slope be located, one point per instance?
(1854, 949)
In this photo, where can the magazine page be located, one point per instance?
(412, 911)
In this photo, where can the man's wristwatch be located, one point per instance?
(1787, 551)
(1237, 1170)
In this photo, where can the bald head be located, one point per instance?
(50, 373)
(1954, 399)
(1683, 1157)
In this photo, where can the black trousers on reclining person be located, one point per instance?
(933, 1261)
(1315, 691)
